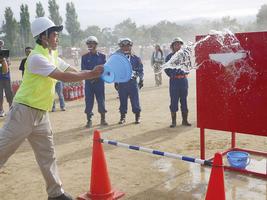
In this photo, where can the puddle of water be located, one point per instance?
(192, 180)
(163, 165)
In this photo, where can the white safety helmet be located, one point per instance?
(125, 41)
(92, 39)
(41, 24)
(177, 39)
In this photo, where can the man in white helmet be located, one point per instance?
(131, 88)
(94, 88)
(178, 86)
(28, 116)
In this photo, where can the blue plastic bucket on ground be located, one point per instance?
(117, 69)
(238, 159)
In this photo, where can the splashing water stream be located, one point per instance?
(230, 55)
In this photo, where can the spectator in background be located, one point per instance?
(22, 64)
(157, 60)
(59, 91)
(5, 85)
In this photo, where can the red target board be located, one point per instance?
(232, 97)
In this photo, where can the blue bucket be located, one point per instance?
(117, 69)
(238, 159)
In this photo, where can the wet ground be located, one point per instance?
(140, 175)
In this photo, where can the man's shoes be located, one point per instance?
(2, 113)
(103, 120)
(63, 109)
(137, 118)
(89, 124)
(122, 121)
(103, 123)
(64, 196)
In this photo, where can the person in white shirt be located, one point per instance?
(28, 115)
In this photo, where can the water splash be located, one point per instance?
(223, 49)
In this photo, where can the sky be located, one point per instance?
(107, 13)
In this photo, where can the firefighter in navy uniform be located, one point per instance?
(130, 88)
(178, 86)
(94, 88)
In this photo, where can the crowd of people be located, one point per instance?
(44, 71)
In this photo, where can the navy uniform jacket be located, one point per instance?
(95, 87)
(173, 72)
(137, 67)
(89, 60)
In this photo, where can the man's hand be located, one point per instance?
(116, 86)
(97, 71)
(141, 84)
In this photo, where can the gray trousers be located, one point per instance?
(25, 122)
(5, 85)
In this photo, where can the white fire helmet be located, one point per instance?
(177, 39)
(125, 41)
(42, 24)
(92, 39)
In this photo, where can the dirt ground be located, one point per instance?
(140, 175)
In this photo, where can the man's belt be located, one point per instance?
(180, 76)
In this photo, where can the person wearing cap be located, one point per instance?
(157, 59)
(130, 88)
(178, 86)
(5, 85)
(28, 115)
(22, 63)
(94, 88)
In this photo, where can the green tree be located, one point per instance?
(107, 38)
(262, 17)
(39, 10)
(54, 12)
(143, 35)
(10, 29)
(165, 31)
(25, 30)
(72, 24)
(126, 28)
(92, 30)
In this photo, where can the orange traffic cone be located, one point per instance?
(216, 182)
(100, 188)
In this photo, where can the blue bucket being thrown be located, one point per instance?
(238, 159)
(117, 69)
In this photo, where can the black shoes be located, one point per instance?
(185, 122)
(103, 120)
(137, 118)
(89, 124)
(173, 115)
(122, 119)
(64, 196)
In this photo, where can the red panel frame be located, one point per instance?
(229, 104)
